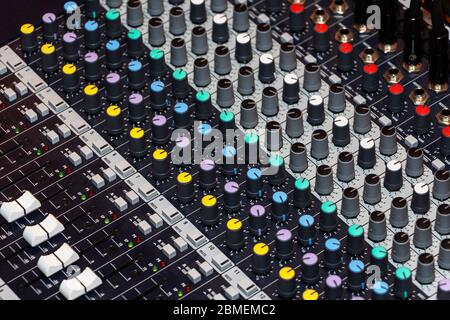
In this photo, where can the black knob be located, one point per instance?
(160, 130)
(220, 33)
(113, 55)
(114, 87)
(208, 174)
(197, 13)
(366, 154)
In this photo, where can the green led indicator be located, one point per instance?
(156, 54)
(130, 244)
(83, 197)
(202, 96)
(302, 184)
(134, 34)
(17, 130)
(356, 230)
(38, 152)
(61, 174)
(179, 293)
(276, 161)
(179, 74)
(379, 252)
(106, 221)
(226, 116)
(154, 268)
(328, 207)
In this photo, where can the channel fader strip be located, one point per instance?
(111, 190)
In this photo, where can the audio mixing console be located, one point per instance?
(227, 150)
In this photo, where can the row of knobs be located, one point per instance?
(356, 280)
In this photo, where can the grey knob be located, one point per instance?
(178, 52)
(336, 98)
(393, 178)
(263, 37)
(442, 224)
(345, 167)
(225, 93)
(246, 81)
(177, 21)
(444, 254)
(388, 141)
(377, 226)
(324, 180)
(266, 72)
(414, 163)
(298, 161)
(288, 57)
(135, 15)
(113, 3)
(156, 33)
(240, 18)
(350, 203)
(425, 273)
(362, 122)
(199, 41)
(441, 185)
(274, 137)
(311, 77)
(401, 251)
(422, 233)
(366, 153)
(269, 103)
(294, 123)
(155, 7)
(249, 114)
(202, 76)
(399, 213)
(319, 144)
(222, 61)
(218, 5)
(372, 189)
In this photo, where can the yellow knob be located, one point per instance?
(160, 154)
(184, 177)
(234, 224)
(113, 111)
(287, 273)
(69, 68)
(27, 28)
(47, 48)
(261, 249)
(90, 90)
(310, 294)
(209, 201)
(137, 133)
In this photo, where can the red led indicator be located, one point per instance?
(162, 264)
(446, 132)
(423, 110)
(321, 28)
(345, 47)
(297, 8)
(396, 88)
(370, 68)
